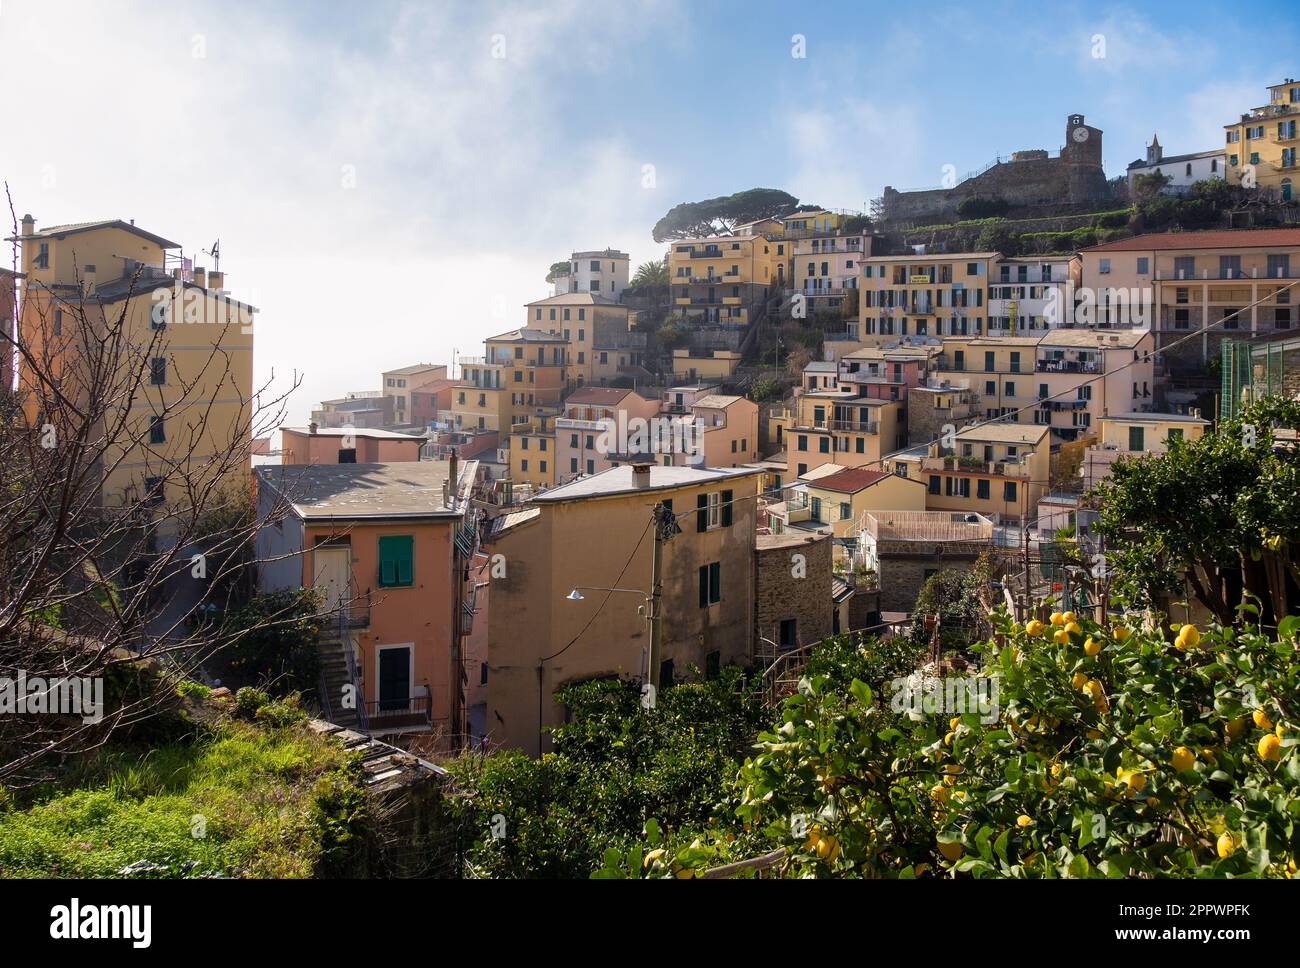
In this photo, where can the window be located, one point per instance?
(158, 371)
(58, 322)
(1136, 438)
(573, 465)
(713, 664)
(1104, 267)
(1008, 490)
(1185, 266)
(1144, 262)
(846, 510)
(934, 483)
(482, 673)
(982, 488)
(396, 560)
(710, 584)
(347, 455)
(591, 467)
(541, 466)
(788, 637)
(157, 430)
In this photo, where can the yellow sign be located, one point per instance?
(918, 280)
(1011, 311)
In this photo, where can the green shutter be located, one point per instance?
(726, 509)
(396, 560)
(701, 512)
(715, 582)
(704, 586)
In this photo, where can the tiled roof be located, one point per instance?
(599, 396)
(853, 480)
(1223, 239)
(527, 336)
(110, 223)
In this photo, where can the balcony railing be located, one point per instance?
(1068, 366)
(858, 426)
(400, 713)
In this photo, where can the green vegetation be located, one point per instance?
(274, 640)
(233, 799)
(1218, 514)
(615, 765)
(713, 216)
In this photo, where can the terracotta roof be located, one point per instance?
(853, 480)
(576, 299)
(601, 396)
(54, 231)
(1224, 239)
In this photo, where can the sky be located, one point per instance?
(391, 180)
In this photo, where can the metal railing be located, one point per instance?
(398, 713)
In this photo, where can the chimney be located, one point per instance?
(29, 224)
(453, 477)
(312, 428)
(640, 473)
(216, 280)
(200, 277)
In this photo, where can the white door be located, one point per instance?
(333, 567)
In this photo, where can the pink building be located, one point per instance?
(341, 445)
(580, 434)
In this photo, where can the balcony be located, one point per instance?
(416, 712)
(706, 254)
(974, 465)
(844, 426)
(1068, 366)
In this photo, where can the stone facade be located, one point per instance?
(1030, 179)
(930, 410)
(905, 565)
(780, 596)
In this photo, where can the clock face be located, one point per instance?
(1080, 134)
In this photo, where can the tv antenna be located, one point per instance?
(215, 253)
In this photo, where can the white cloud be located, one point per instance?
(468, 184)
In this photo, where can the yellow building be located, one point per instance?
(521, 371)
(554, 620)
(838, 500)
(403, 382)
(724, 280)
(704, 365)
(841, 427)
(944, 294)
(1137, 435)
(533, 458)
(591, 324)
(1000, 470)
(1261, 144)
(186, 362)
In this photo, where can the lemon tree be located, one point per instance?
(1113, 753)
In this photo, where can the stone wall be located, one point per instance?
(780, 595)
(904, 566)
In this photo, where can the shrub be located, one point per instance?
(249, 700)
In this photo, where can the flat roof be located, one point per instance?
(603, 396)
(577, 299)
(410, 489)
(789, 539)
(415, 368)
(716, 401)
(1095, 338)
(526, 336)
(1006, 433)
(619, 480)
(934, 257)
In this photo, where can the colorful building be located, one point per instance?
(555, 619)
(402, 383)
(335, 445)
(724, 280)
(924, 295)
(1261, 144)
(388, 546)
(186, 354)
(1131, 435)
(581, 440)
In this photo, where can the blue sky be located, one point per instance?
(386, 189)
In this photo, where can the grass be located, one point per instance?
(235, 800)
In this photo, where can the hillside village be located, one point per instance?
(786, 429)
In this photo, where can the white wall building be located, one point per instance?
(604, 272)
(1184, 171)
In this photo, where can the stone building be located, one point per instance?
(1027, 180)
(793, 593)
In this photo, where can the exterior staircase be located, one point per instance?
(338, 670)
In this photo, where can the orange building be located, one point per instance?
(389, 546)
(344, 445)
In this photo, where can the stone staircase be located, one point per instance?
(335, 674)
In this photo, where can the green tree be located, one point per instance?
(273, 640)
(650, 274)
(714, 216)
(1218, 514)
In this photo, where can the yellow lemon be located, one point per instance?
(1183, 759)
(1078, 679)
(1057, 618)
(954, 722)
(950, 851)
(1056, 769)
(1189, 636)
(1069, 617)
(1235, 727)
(1023, 820)
(1120, 633)
(1270, 748)
(653, 856)
(1226, 845)
(1034, 628)
(1261, 719)
(940, 793)
(1061, 637)
(1074, 628)
(1091, 647)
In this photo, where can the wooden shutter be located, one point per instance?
(726, 509)
(701, 512)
